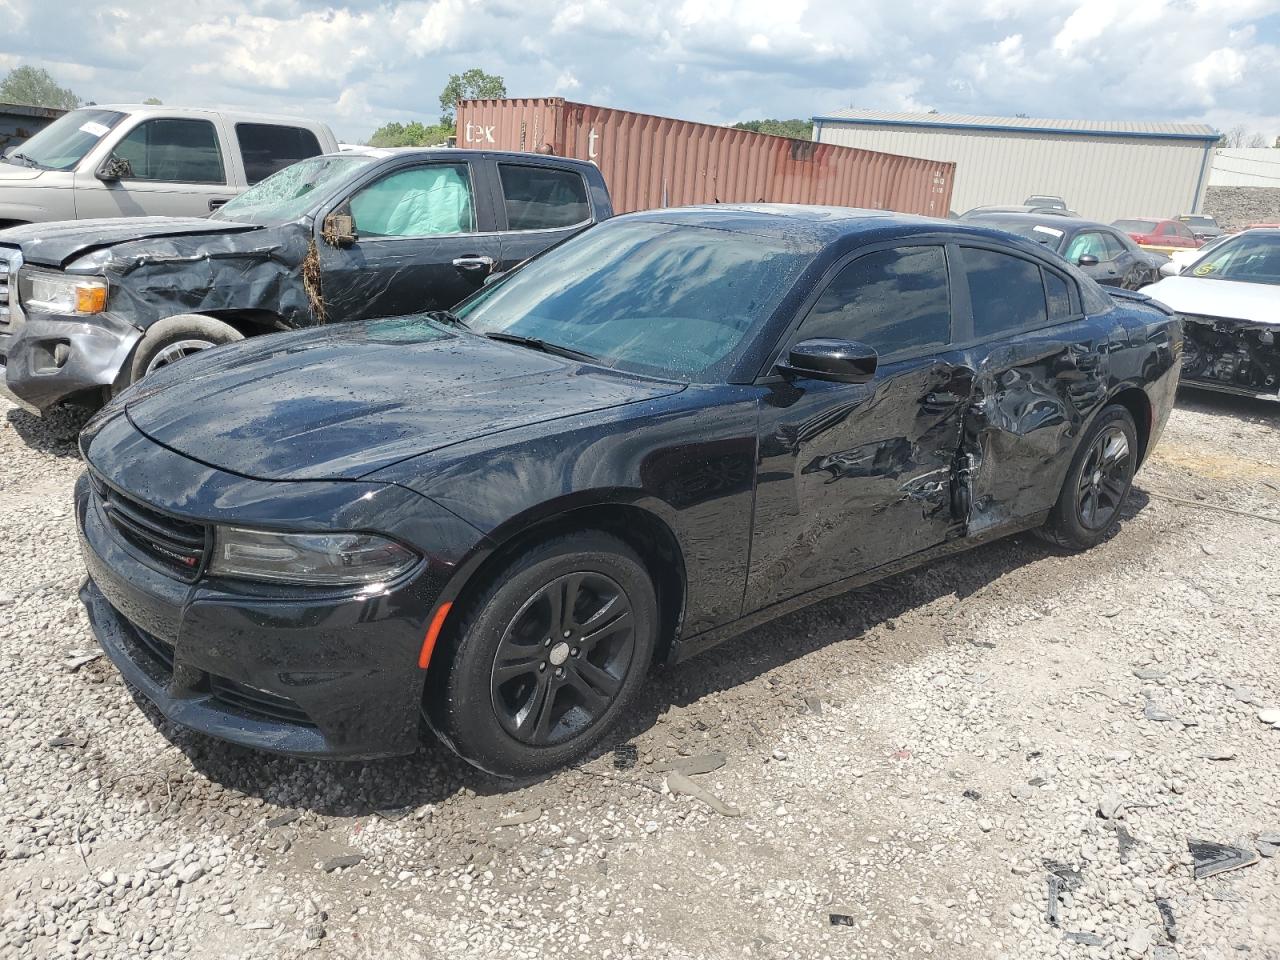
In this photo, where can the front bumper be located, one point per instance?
(49, 359)
(1231, 356)
(289, 670)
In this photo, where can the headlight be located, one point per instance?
(331, 559)
(57, 294)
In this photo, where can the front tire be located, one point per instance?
(546, 657)
(176, 337)
(1097, 482)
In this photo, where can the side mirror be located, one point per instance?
(339, 230)
(1169, 269)
(841, 361)
(114, 168)
(1087, 260)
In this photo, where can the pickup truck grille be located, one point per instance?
(8, 285)
(180, 546)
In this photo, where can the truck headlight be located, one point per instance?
(321, 559)
(57, 294)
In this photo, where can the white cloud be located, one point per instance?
(360, 63)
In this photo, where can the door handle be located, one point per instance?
(216, 203)
(474, 263)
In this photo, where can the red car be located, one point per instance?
(1161, 234)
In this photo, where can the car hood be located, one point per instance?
(345, 401)
(17, 172)
(58, 243)
(1231, 299)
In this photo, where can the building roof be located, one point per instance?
(1141, 129)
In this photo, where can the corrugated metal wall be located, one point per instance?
(650, 161)
(1246, 167)
(19, 123)
(1103, 178)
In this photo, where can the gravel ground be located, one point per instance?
(926, 767)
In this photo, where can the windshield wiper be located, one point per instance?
(537, 344)
(446, 316)
(26, 161)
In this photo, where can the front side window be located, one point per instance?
(1115, 246)
(662, 299)
(892, 300)
(266, 148)
(543, 198)
(63, 144)
(1006, 292)
(172, 151)
(1090, 244)
(427, 201)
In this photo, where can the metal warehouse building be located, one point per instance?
(1102, 169)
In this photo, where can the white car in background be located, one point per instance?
(1179, 260)
(1229, 302)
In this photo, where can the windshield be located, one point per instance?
(63, 143)
(1200, 221)
(290, 193)
(653, 298)
(1247, 258)
(1136, 226)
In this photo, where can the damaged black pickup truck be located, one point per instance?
(1229, 304)
(88, 307)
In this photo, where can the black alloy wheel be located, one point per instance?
(1105, 479)
(563, 658)
(541, 658)
(1097, 482)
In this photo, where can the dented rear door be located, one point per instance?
(1041, 367)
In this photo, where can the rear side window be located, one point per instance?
(543, 198)
(175, 151)
(1006, 292)
(892, 300)
(1058, 298)
(268, 147)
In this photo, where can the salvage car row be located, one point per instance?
(538, 458)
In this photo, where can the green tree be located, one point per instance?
(153, 102)
(415, 134)
(34, 87)
(475, 84)
(795, 129)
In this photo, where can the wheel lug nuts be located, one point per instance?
(541, 667)
(573, 652)
(546, 642)
(559, 672)
(566, 633)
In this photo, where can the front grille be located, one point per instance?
(8, 278)
(180, 546)
(255, 702)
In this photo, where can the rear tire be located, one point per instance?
(1097, 482)
(176, 337)
(547, 656)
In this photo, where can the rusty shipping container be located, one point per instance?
(652, 161)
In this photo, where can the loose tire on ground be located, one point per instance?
(1101, 474)
(169, 335)
(570, 623)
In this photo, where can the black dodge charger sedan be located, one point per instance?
(659, 433)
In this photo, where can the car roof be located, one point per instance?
(456, 152)
(1051, 220)
(788, 220)
(139, 109)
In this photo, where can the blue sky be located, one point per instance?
(358, 65)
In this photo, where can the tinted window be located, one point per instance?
(268, 147)
(1115, 246)
(648, 297)
(419, 202)
(892, 300)
(1059, 300)
(1006, 292)
(541, 198)
(175, 151)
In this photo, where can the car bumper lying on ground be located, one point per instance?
(1231, 356)
(298, 670)
(48, 359)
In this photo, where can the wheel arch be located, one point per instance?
(628, 515)
(1134, 399)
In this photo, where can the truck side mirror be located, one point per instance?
(339, 230)
(114, 168)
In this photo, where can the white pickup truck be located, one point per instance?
(140, 161)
